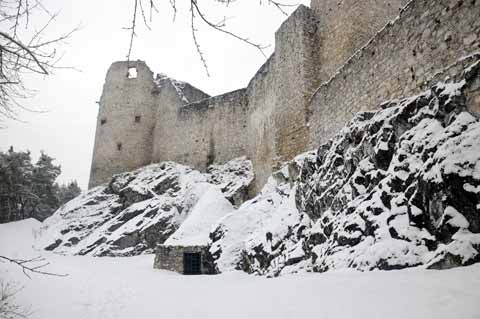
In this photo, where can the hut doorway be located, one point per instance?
(192, 264)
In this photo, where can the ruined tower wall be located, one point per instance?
(261, 134)
(279, 92)
(212, 130)
(167, 134)
(309, 46)
(125, 122)
(296, 61)
(428, 36)
(170, 134)
(346, 25)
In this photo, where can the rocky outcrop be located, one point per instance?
(395, 188)
(398, 188)
(264, 229)
(137, 210)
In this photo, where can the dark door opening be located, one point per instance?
(192, 264)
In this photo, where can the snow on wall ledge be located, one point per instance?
(140, 209)
(395, 188)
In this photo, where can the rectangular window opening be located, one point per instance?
(132, 73)
(192, 264)
(138, 118)
(119, 146)
(103, 121)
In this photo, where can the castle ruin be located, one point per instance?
(330, 61)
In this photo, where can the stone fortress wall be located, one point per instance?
(329, 62)
(427, 38)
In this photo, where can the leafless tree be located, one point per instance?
(24, 49)
(9, 309)
(144, 9)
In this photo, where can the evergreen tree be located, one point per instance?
(68, 192)
(44, 187)
(28, 190)
(16, 196)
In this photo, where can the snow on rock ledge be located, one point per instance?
(138, 210)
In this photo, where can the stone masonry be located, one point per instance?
(172, 258)
(330, 61)
(401, 60)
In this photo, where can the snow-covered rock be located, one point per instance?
(251, 237)
(394, 188)
(138, 210)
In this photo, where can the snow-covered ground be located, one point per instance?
(129, 287)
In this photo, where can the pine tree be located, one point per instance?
(28, 190)
(68, 192)
(16, 195)
(44, 187)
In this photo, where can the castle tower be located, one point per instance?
(125, 123)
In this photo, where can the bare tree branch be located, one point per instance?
(24, 51)
(33, 265)
(197, 12)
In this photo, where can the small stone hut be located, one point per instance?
(186, 250)
(187, 260)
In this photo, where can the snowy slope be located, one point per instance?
(140, 209)
(121, 288)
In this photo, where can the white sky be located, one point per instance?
(66, 131)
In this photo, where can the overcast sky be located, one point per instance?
(66, 131)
